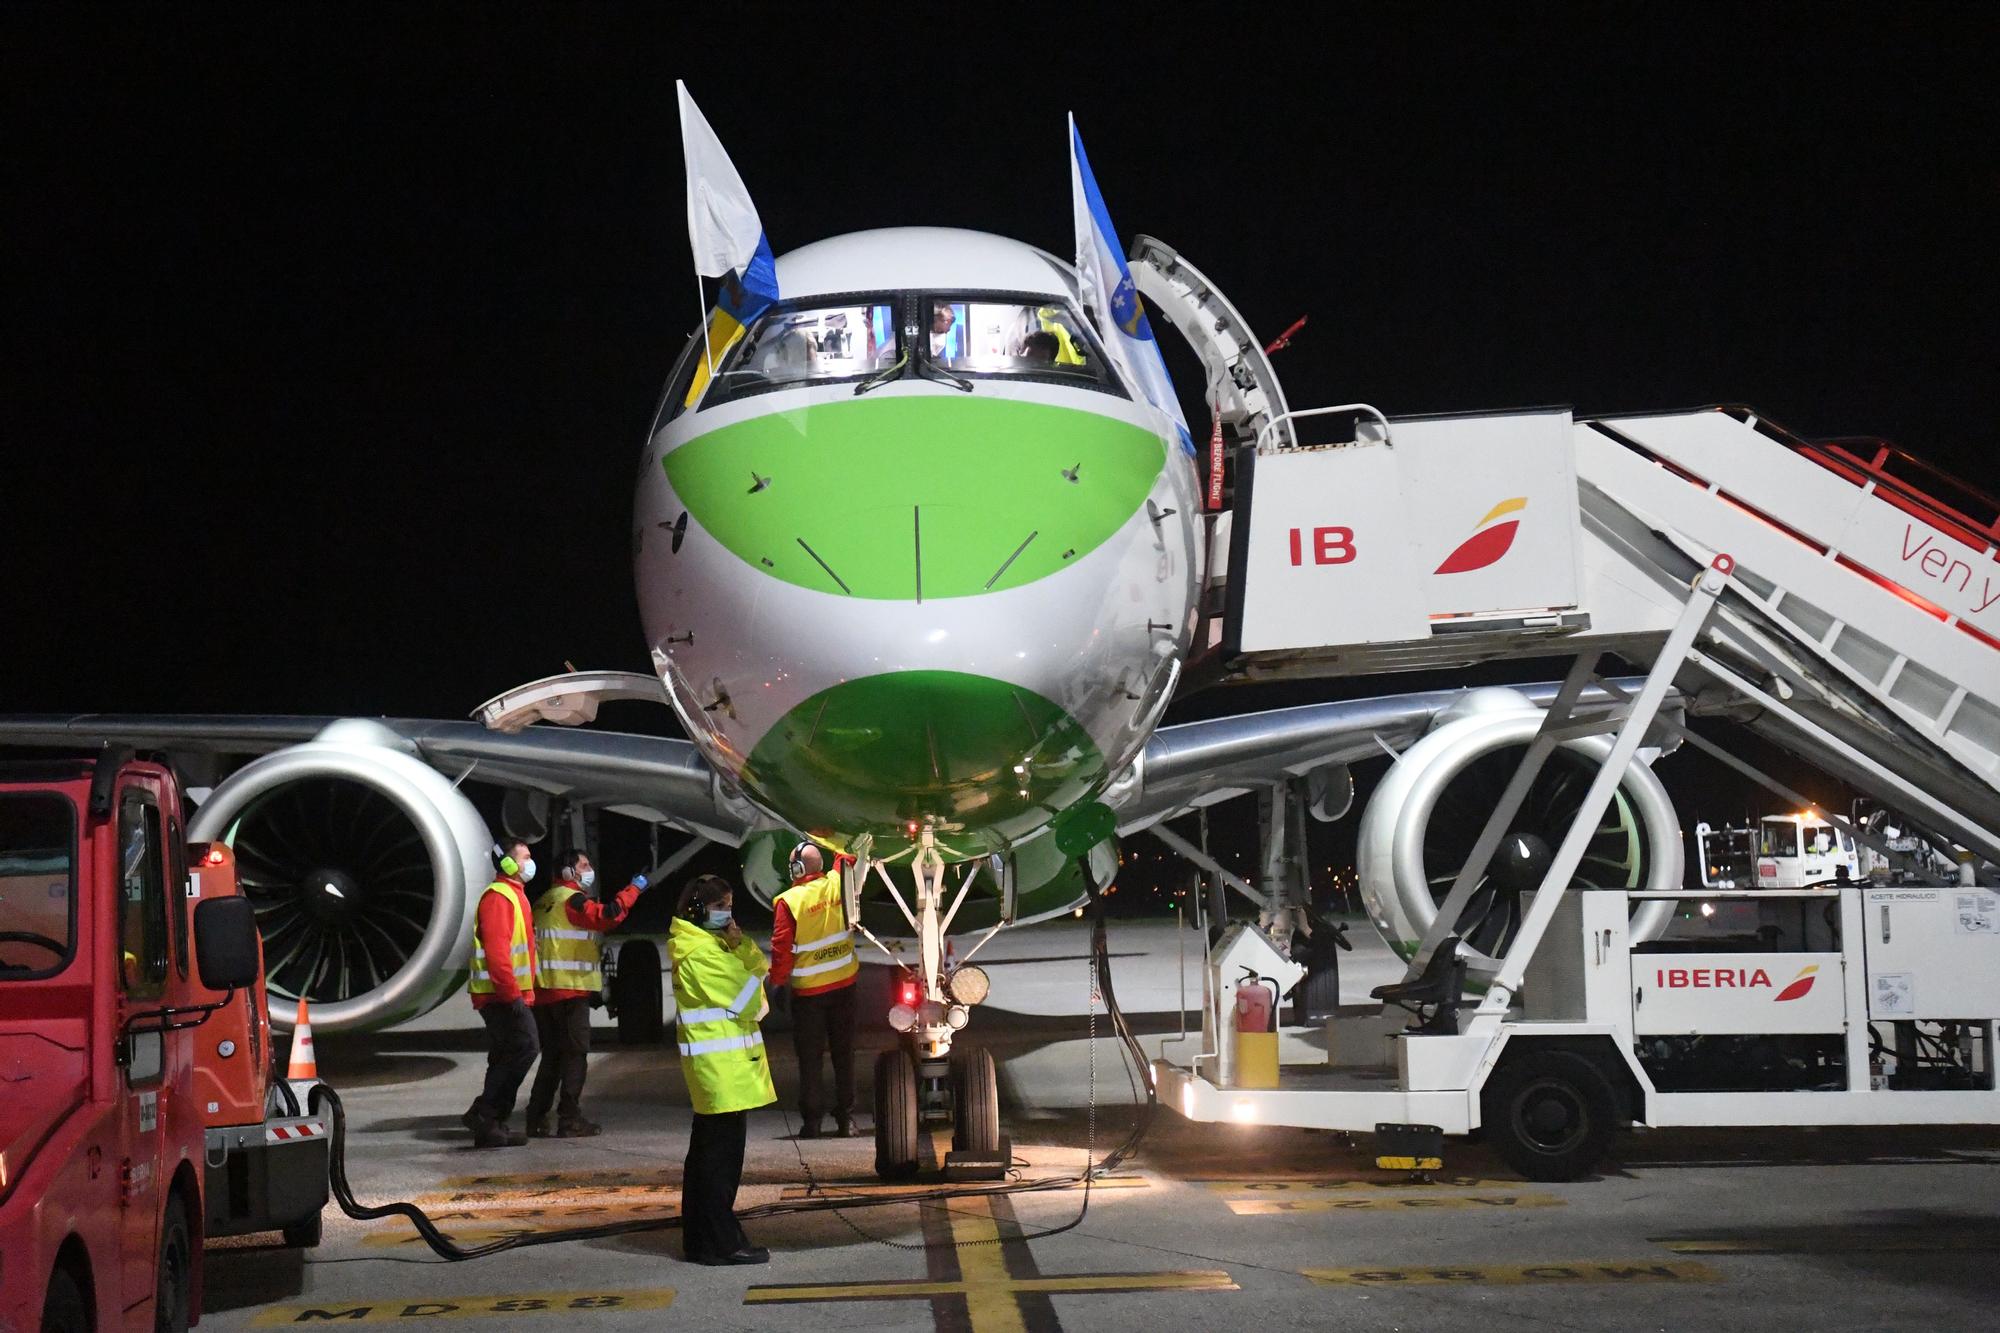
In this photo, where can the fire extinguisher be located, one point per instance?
(1256, 1004)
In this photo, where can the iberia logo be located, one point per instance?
(1798, 985)
(1489, 541)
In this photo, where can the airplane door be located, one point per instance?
(144, 945)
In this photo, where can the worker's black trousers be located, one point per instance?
(510, 1054)
(564, 1029)
(821, 1023)
(714, 1168)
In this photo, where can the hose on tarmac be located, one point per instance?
(323, 1098)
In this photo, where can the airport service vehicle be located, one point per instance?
(1778, 852)
(1558, 986)
(134, 1051)
(921, 594)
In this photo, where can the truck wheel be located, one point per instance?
(1549, 1114)
(640, 997)
(173, 1279)
(305, 1233)
(895, 1115)
(975, 1097)
(63, 1310)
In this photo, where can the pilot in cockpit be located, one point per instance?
(1040, 348)
(942, 319)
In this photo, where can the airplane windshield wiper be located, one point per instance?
(931, 370)
(882, 377)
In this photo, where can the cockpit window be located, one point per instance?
(790, 347)
(1013, 336)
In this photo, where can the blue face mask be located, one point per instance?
(718, 918)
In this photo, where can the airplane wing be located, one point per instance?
(1194, 764)
(653, 778)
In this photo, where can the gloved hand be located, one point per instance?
(597, 999)
(639, 882)
(842, 859)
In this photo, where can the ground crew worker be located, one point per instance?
(811, 949)
(719, 993)
(503, 991)
(568, 979)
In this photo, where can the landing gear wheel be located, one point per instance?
(174, 1276)
(639, 996)
(895, 1115)
(305, 1233)
(1549, 1114)
(63, 1310)
(975, 1096)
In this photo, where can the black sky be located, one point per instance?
(331, 336)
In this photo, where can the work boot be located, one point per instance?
(579, 1128)
(538, 1129)
(845, 1129)
(749, 1254)
(809, 1129)
(487, 1133)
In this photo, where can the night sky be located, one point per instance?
(331, 338)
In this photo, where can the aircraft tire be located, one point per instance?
(975, 1097)
(895, 1115)
(640, 996)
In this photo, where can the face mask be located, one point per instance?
(588, 879)
(527, 870)
(718, 918)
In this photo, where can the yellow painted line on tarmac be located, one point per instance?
(1507, 1275)
(414, 1309)
(552, 1192)
(499, 1223)
(871, 1190)
(559, 1179)
(988, 1282)
(1311, 1186)
(1378, 1204)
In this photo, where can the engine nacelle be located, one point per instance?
(364, 864)
(1421, 823)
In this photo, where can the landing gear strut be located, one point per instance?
(924, 1081)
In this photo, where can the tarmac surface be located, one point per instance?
(1208, 1226)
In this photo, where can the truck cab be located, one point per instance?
(104, 994)
(1799, 851)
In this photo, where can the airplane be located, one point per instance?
(919, 568)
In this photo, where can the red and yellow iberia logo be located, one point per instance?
(1491, 538)
(1798, 985)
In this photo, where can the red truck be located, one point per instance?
(138, 1114)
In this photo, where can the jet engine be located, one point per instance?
(364, 865)
(1421, 823)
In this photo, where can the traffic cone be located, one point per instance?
(303, 1066)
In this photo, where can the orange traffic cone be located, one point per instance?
(303, 1065)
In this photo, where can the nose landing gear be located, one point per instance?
(924, 1081)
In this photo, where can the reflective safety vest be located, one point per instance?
(822, 952)
(718, 994)
(482, 980)
(566, 958)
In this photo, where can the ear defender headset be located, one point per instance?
(798, 865)
(508, 865)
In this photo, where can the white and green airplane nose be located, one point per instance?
(914, 606)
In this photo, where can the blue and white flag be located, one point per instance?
(727, 238)
(1108, 289)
